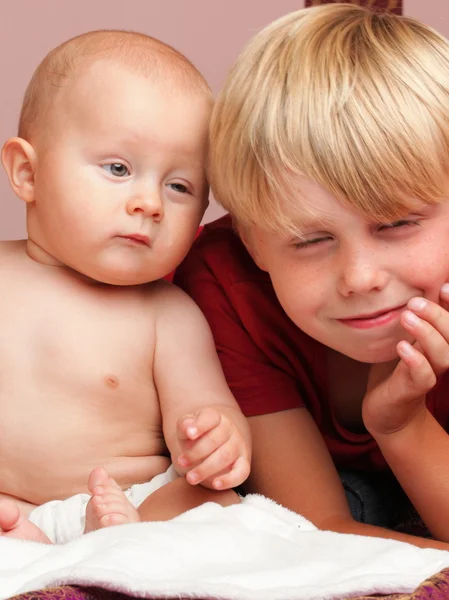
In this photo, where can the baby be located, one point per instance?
(102, 362)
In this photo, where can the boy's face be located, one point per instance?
(120, 185)
(348, 280)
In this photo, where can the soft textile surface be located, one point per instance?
(255, 550)
(434, 588)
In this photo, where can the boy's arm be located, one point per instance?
(394, 410)
(292, 465)
(419, 457)
(194, 395)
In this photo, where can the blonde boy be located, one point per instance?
(102, 364)
(330, 150)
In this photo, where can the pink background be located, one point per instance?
(210, 32)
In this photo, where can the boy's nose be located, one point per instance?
(149, 205)
(361, 275)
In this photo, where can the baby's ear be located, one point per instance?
(19, 161)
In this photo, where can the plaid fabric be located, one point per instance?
(393, 5)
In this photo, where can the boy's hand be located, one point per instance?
(396, 391)
(213, 449)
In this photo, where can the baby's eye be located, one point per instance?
(116, 169)
(179, 187)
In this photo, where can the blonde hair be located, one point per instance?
(137, 52)
(355, 100)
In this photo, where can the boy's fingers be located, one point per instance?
(416, 370)
(402, 395)
(430, 326)
(444, 296)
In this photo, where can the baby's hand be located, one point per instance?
(214, 449)
(396, 392)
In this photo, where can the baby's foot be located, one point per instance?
(15, 525)
(108, 504)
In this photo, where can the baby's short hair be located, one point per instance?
(356, 100)
(137, 52)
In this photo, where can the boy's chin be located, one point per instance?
(375, 356)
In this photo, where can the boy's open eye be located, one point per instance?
(116, 169)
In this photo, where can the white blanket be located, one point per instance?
(253, 551)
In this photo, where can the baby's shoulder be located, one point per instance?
(165, 295)
(10, 250)
(172, 307)
(178, 320)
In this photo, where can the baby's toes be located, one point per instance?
(116, 513)
(109, 493)
(99, 477)
(112, 484)
(107, 505)
(113, 518)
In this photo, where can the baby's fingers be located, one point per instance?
(218, 462)
(204, 446)
(191, 427)
(235, 477)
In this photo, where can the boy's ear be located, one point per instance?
(19, 161)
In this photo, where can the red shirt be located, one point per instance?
(269, 363)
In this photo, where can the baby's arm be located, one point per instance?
(206, 433)
(394, 411)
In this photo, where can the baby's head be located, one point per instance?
(110, 157)
(354, 100)
(330, 147)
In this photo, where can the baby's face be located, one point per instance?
(120, 185)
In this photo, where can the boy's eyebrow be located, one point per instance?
(304, 225)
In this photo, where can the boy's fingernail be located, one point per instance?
(192, 477)
(445, 289)
(182, 460)
(218, 484)
(417, 304)
(410, 318)
(405, 349)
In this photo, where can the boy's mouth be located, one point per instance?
(375, 319)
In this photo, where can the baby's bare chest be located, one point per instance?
(76, 384)
(74, 337)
